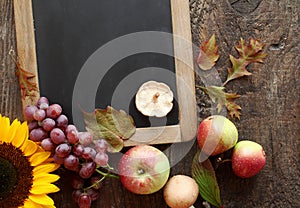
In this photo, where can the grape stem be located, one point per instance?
(108, 174)
(104, 175)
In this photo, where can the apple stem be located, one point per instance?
(220, 161)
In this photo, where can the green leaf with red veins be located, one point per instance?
(217, 95)
(204, 175)
(208, 54)
(112, 125)
(248, 53)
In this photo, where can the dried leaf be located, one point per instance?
(217, 95)
(205, 176)
(27, 86)
(232, 107)
(208, 54)
(110, 124)
(247, 54)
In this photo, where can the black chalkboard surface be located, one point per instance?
(68, 32)
(90, 54)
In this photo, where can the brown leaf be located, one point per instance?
(248, 53)
(232, 107)
(112, 125)
(27, 86)
(222, 98)
(208, 54)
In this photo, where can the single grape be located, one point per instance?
(93, 194)
(63, 150)
(43, 103)
(70, 127)
(87, 170)
(53, 111)
(47, 144)
(84, 201)
(78, 150)
(58, 160)
(95, 182)
(85, 138)
(33, 125)
(77, 182)
(72, 136)
(57, 136)
(62, 122)
(89, 153)
(76, 194)
(38, 134)
(29, 111)
(71, 162)
(101, 159)
(48, 124)
(100, 145)
(39, 115)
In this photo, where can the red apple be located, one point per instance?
(144, 169)
(248, 158)
(216, 134)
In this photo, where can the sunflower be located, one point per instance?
(24, 169)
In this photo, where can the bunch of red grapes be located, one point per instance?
(76, 151)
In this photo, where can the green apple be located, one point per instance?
(144, 169)
(216, 134)
(248, 158)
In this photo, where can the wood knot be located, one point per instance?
(245, 6)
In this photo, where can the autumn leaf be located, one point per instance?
(222, 98)
(27, 86)
(205, 176)
(248, 53)
(208, 54)
(112, 125)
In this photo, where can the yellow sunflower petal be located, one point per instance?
(30, 204)
(29, 147)
(46, 177)
(21, 135)
(45, 168)
(42, 199)
(44, 188)
(4, 123)
(12, 130)
(39, 158)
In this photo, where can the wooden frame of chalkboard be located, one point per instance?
(186, 129)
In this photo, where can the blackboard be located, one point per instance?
(71, 36)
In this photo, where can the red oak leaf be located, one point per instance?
(208, 54)
(27, 86)
(248, 53)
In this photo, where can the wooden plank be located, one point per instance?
(155, 135)
(26, 42)
(184, 63)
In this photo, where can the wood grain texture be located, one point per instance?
(184, 68)
(270, 102)
(25, 40)
(270, 97)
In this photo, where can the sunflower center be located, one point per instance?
(16, 176)
(8, 177)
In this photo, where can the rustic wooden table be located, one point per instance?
(270, 101)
